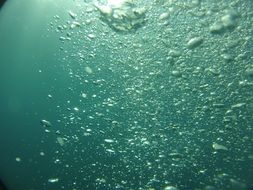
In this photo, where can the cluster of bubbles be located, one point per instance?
(161, 95)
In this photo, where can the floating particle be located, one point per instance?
(100, 180)
(45, 123)
(47, 131)
(57, 161)
(175, 53)
(75, 24)
(228, 112)
(219, 147)
(109, 140)
(237, 184)
(18, 159)
(62, 38)
(194, 42)
(216, 28)
(110, 150)
(42, 153)
(227, 57)
(72, 15)
(114, 123)
(213, 71)
(88, 70)
(91, 36)
(250, 156)
(195, 2)
(84, 95)
(60, 27)
(170, 188)
(238, 105)
(218, 105)
(86, 134)
(76, 109)
(57, 17)
(249, 71)
(176, 73)
(228, 21)
(164, 16)
(209, 187)
(60, 141)
(176, 155)
(53, 180)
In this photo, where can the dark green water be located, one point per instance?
(154, 95)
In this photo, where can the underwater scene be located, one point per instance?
(126, 95)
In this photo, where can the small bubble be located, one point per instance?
(88, 70)
(53, 180)
(18, 159)
(84, 95)
(42, 153)
(76, 109)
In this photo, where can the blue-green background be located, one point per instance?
(153, 113)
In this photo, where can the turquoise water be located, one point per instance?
(142, 95)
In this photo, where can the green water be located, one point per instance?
(157, 97)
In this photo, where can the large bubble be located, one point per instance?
(122, 15)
